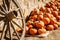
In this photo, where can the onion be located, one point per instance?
(33, 17)
(55, 26)
(39, 24)
(35, 11)
(42, 9)
(55, 13)
(33, 31)
(50, 27)
(48, 10)
(39, 17)
(46, 20)
(41, 31)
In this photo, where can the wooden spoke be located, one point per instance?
(9, 31)
(15, 31)
(7, 4)
(6, 31)
(14, 1)
(19, 18)
(3, 30)
(1, 18)
(10, 5)
(2, 8)
(16, 9)
(2, 13)
(17, 24)
(13, 10)
(18, 6)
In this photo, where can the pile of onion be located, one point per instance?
(44, 19)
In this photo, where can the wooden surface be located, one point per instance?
(54, 35)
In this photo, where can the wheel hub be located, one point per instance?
(11, 15)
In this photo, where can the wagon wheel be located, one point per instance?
(11, 16)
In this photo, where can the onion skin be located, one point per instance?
(41, 31)
(33, 17)
(53, 21)
(42, 9)
(27, 30)
(46, 20)
(18, 30)
(39, 17)
(29, 23)
(47, 4)
(55, 13)
(44, 27)
(48, 10)
(58, 23)
(50, 27)
(54, 8)
(41, 13)
(30, 26)
(58, 17)
(51, 9)
(52, 3)
(55, 26)
(39, 24)
(33, 31)
(35, 12)
(49, 15)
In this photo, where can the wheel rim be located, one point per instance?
(9, 16)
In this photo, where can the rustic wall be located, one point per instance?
(29, 5)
